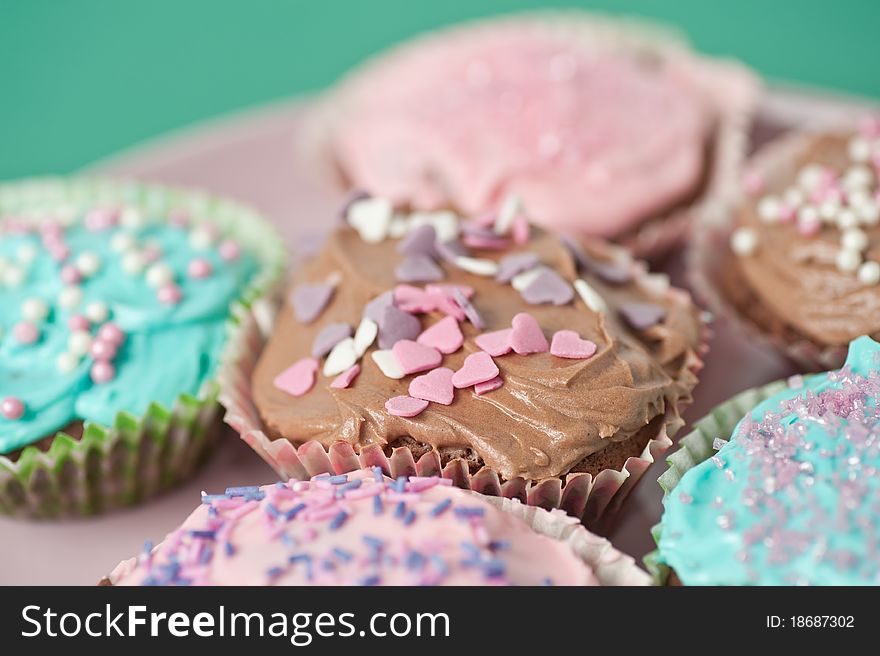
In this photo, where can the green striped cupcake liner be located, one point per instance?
(696, 447)
(136, 457)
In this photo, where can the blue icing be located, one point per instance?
(169, 349)
(800, 508)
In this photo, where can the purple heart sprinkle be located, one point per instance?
(309, 300)
(514, 264)
(611, 272)
(329, 337)
(581, 260)
(548, 287)
(452, 249)
(641, 316)
(351, 198)
(469, 310)
(375, 309)
(421, 241)
(396, 325)
(418, 268)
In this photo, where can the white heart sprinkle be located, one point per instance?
(510, 208)
(365, 335)
(477, 266)
(590, 296)
(371, 217)
(445, 223)
(342, 357)
(387, 363)
(522, 280)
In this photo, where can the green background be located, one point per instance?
(82, 79)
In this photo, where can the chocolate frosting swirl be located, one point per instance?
(550, 413)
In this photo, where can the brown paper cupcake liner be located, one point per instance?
(708, 256)
(730, 88)
(595, 500)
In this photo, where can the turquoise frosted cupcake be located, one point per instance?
(789, 495)
(116, 302)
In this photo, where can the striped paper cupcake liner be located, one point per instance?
(136, 457)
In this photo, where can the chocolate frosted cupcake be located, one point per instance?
(798, 259)
(116, 303)
(491, 349)
(604, 127)
(786, 496)
(366, 529)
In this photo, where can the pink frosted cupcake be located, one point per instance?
(363, 528)
(600, 127)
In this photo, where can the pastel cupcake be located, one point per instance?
(494, 353)
(366, 529)
(785, 495)
(116, 304)
(797, 259)
(602, 127)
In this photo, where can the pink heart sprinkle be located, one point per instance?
(495, 343)
(445, 336)
(436, 386)
(413, 357)
(488, 386)
(568, 344)
(477, 368)
(298, 378)
(447, 306)
(405, 406)
(526, 336)
(345, 379)
(413, 300)
(447, 290)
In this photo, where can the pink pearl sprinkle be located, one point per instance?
(101, 219)
(169, 294)
(51, 229)
(787, 213)
(111, 333)
(869, 126)
(809, 228)
(102, 351)
(102, 372)
(25, 332)
(152, 253)
(70, 275)
(753, 183)
(200, 268)
(178, 217)
(59, 252)
(12, 408)
(78, 322)
(229, 250)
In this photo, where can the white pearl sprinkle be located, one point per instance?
(201, 238)
(857, 176)
(846, 218)
(133, 263)
(854, 239)
(132, 218)
(13, 276)
(70, 297)
(79, 342)
(26, 253)
(590, 296)
(768, 209)
(387, 364)
(848, 261)
(828, 210)
(808, 214)
(97, 312)
(869, 273)
(793, 197)
(34, 310)
(477, 266)
(122, 242)
(869, 213)
(88, 263)
(159, 274)
(67, 362)
(744, 241)
(859, 149)
(810, 176)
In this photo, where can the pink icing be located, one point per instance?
(590, 140)
(248, 540)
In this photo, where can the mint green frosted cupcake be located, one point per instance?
(116, 304)
(787, 496)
